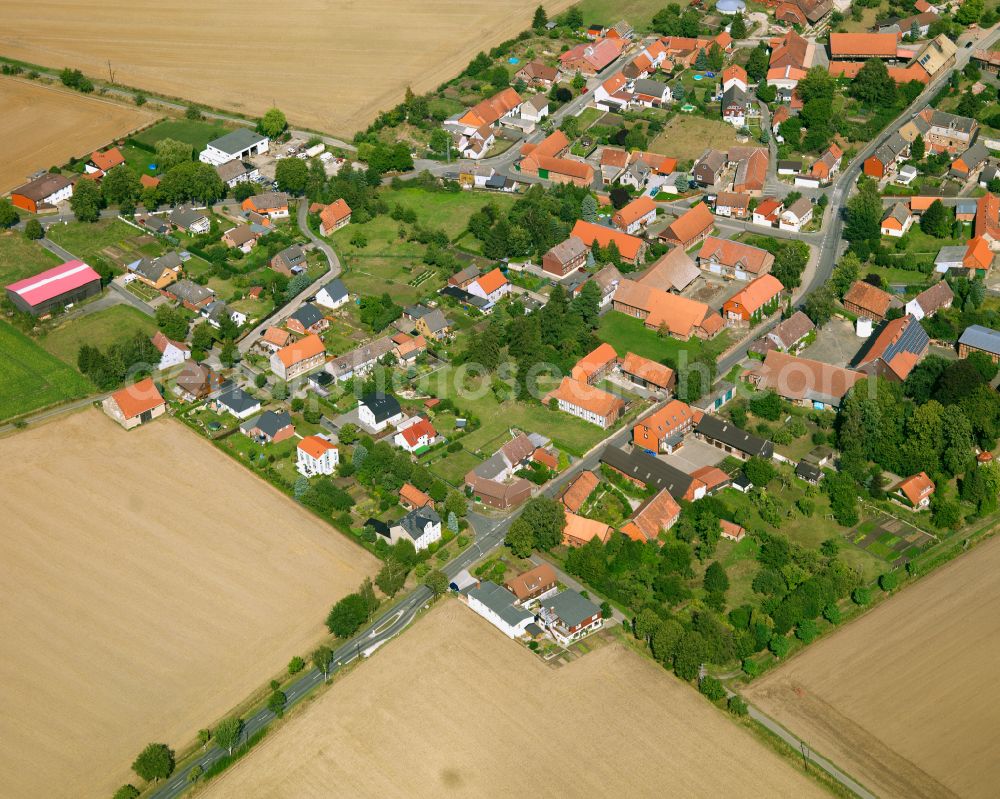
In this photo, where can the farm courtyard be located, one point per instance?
(904, 698)
(150, 584)
(74, 124)
(173, 49)
(484, 705)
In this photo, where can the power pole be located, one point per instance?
(111, 74)
(804, 748)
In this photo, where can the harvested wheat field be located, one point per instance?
(149, 585)
(452, 707)
(329, 65)
(906, 698)
(42, 126)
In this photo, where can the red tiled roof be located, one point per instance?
(491, 109)
(314, 446)
(137, 398)
(413, 496)
(737, 254)
(634, 211)
(301, 350)
(578, 491)
(650, 371)
(585, 396)
(691, 224)
(420, 428)
(108, 159)
(883, 45)
(594, 361)
(757, 293)
(917, 487)
(579, 530)
(978, 255)
(868, 297)
(588, 232)
(491, 281)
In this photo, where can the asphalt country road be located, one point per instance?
(393, 621)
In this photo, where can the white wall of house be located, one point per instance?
(583, 413)
(308, 466)
(216, 157)
(511, 631)
(367, 417)
(432, 533)
(173, 355)
(59, 196)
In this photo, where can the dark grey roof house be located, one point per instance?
(307, 315)
(650, 471)
(725, 435)
(382, 406)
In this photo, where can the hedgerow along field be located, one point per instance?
(43, 126)
(904, 699)
(611, 723)
(332, 67)
(151, 583)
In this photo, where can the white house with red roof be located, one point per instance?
(316, 455)
(416, 433)
(492, 287)
(172, 353)
(735, 75)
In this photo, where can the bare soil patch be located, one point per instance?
(905, 698)
(453, 708)
(329, 65)
(150, 584)
(42, 126)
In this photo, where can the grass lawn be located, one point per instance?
(386, 263)
(588, 117)
(454, 466)
(31, 378)
(687, 136)
(567, 432)
(195, 132)
(88, 240)
(99, 329)
(628, 334)
(445, 210)
(20, 258)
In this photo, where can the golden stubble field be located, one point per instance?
(41, 126)
(453, 708)
(906, 698)
(329, 64)
(150, 584)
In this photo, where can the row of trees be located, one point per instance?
(107, 370)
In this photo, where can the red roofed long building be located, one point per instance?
(55, 288)
(630, 248)
(588, 403)
(861, 46)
